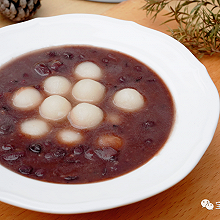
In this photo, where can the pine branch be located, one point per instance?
(198, 22)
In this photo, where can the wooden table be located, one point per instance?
(182, 201)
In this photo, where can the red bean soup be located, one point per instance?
(81, 114)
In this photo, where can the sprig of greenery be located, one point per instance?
(198, 22)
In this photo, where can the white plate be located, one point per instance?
(196, 101)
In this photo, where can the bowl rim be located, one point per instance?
(150, 47)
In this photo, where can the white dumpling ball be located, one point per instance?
(85, 115)
(68, 136)
(55, 107)
(88, 90)
(128, 99)
(57, 85)
(35, 128)
(110, 140)
(115, 119)
(27, 98)
(88, 70)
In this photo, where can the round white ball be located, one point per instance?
(68, 136)
(85, 115)
(114, 119)
(128, 99)
(88, 70)
(88, 90)
(35, 128)
(55, 107)
(27, 98)
(57, 85)
(110, 140)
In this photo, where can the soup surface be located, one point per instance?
(80, 114)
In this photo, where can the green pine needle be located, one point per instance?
(198, 22)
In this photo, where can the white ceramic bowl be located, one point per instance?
(196, 101)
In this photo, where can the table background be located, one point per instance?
(182, 201)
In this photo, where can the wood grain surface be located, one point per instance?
(182, 201)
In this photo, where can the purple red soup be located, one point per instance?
(80, 114)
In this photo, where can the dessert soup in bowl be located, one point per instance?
(132, 62)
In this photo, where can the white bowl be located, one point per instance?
(195, 96)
